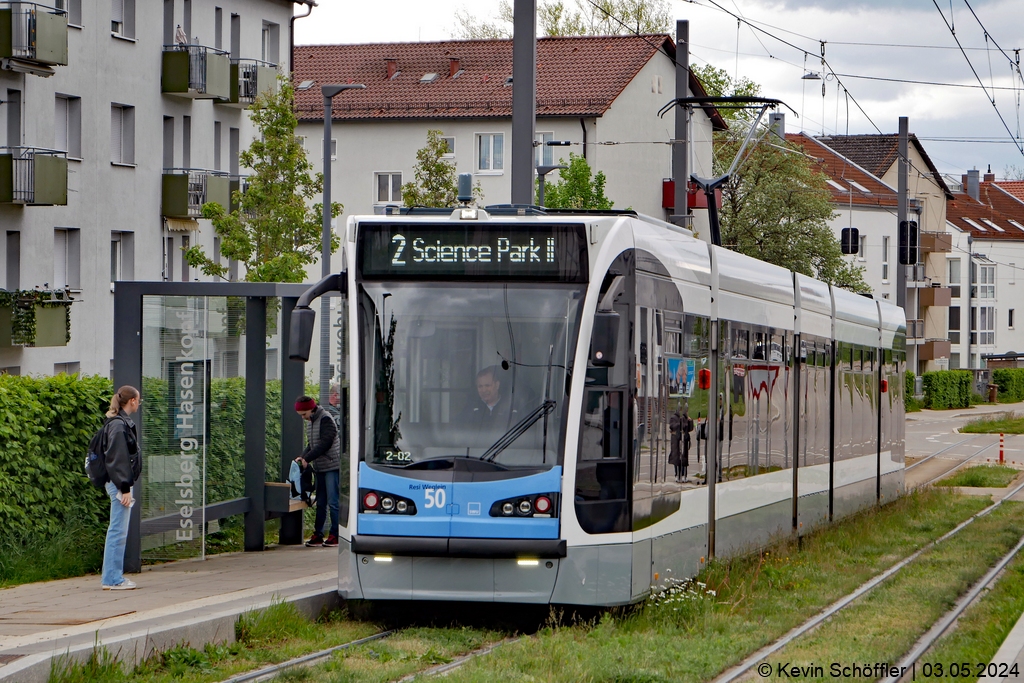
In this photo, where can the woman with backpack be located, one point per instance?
(124, 465)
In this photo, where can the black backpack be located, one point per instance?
(95, 457)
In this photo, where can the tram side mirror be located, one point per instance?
(605, 338)
(300, 334)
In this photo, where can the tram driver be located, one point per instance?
(491, 414)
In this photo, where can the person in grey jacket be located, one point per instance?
(124, 465)
(323, 454)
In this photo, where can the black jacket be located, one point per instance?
(123, 464)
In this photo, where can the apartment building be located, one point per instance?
(118, 120)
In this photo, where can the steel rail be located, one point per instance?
(747, 664)
(270, 671)
(957, 466)
(937, 453)
(456, 663)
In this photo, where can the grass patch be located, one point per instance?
(743, 604)
(100, 667)
(76, 549)
(913, 405)
(984, 626)
(982, 476)
(998, 423)
(885, 624)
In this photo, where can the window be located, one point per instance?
(388, 188)
(1009, 318)
(74, 10)
(271, 41)
(122, 18)
(69, 368)
(12, 108)
(168, 142)
(13, 370)
(983, 279)
(218, 28)
(122, 134)
(186, 19)
(334, 149)
(542, 153)
(954, 324)
(67, 264)
(185, 244)
(186, 142)
(885, 258)
(216, 145)
(983, 325)
(67, 122)
(233, 151)
(450, 142)
(656, 85)
(954, 361)
(862, 250)
(954, 277)
(122, 256)
(13, 260)
(236, 36)
(490, 152)
(1013, 274)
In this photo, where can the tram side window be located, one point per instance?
(601, 479)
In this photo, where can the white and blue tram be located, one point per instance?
(514, 380)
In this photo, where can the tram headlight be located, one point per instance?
(530, 505)
(371, 500)
(507, 509)
(402, 506)
(387, 504)
(376, 502)
(525, 507)
(542, 505)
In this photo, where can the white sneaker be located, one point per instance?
(126, 585)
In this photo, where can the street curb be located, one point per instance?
(132, 648)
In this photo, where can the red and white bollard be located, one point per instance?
(1000, 449)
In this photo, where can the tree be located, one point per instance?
(582, 18)
(776, 206)
(577, 188)
(273, 231)
(436, 184)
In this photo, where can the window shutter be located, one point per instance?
(60, 259)
(116, 11)
(60, 124)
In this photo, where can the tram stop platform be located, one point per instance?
(187, 601)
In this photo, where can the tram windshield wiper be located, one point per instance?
(517, 430)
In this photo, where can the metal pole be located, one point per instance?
(255, 420)
(325, 258)
(540, 189)
(681, 148)
(901, 214)
(524, 98)
(713, 452)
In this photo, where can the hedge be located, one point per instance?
(45, 427)
(947, 389)
(909, 380)
(1011, 384)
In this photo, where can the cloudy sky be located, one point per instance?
(864, 40)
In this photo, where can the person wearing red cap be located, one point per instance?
(323, 454)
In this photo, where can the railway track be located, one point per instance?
(269, 672)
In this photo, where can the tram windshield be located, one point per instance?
(469, 370)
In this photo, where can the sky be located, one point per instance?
(959, 126)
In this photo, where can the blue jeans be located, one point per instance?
(326, 497)
(117, 537)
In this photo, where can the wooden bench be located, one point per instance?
(277, 499)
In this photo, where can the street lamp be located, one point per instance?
(544, 170)
(329, 91)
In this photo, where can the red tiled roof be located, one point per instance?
(877, 153)
(841, 171)
(576, 76)
(990, 218)
(1014, 187)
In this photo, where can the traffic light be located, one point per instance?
(908, 243)
(850, 240)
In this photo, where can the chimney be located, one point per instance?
(392, 67)
(777, 124)
(973, 186)
(990, 177)
(453, 67)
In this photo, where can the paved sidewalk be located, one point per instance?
(188, 601)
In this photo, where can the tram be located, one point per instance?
(526, 384)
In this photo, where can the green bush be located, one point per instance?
(1011, 384)
(947, 389)
(908, 389)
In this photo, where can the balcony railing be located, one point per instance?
(935, 296)
(33, 175)
(185, 190)
(33, 34)
(915, 329)
(196, 72)
(250, 78)
(936, 242)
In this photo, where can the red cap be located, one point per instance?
(305, 405)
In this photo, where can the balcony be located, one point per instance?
(933, 349)
(196, 72)
(935, 296)
(916, 276)
(33, 38)
(915, 330)
(936, 242)
(33, 176)
(249, 78)
(185, 190)
(239, 183)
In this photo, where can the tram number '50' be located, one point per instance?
(397, 259)
(397, 456)
(435, 498)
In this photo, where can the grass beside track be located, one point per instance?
(982, 476)
(884, 625)
(983, 627)
(999, 423)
